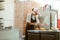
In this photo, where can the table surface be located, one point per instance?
(43, 31)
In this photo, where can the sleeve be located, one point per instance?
(28, 18)
(37, 19)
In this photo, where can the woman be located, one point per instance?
(32, 20)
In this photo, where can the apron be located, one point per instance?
(29, 27)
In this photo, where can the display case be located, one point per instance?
(49, 17)
(43, 16)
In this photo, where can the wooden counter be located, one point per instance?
(43, 35)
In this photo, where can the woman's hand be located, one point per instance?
(36, 24)
(44, 24)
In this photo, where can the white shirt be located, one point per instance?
(28, 19)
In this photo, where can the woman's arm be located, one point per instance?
(28, 20)
(31, 23)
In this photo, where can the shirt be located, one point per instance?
(28, 18)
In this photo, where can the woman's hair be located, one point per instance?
(32, 9)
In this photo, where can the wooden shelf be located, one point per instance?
(1, 0)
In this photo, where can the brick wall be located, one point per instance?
(20, 13)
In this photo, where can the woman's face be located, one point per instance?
(35, 13)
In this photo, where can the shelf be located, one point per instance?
(1, 0)
(1, 23)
